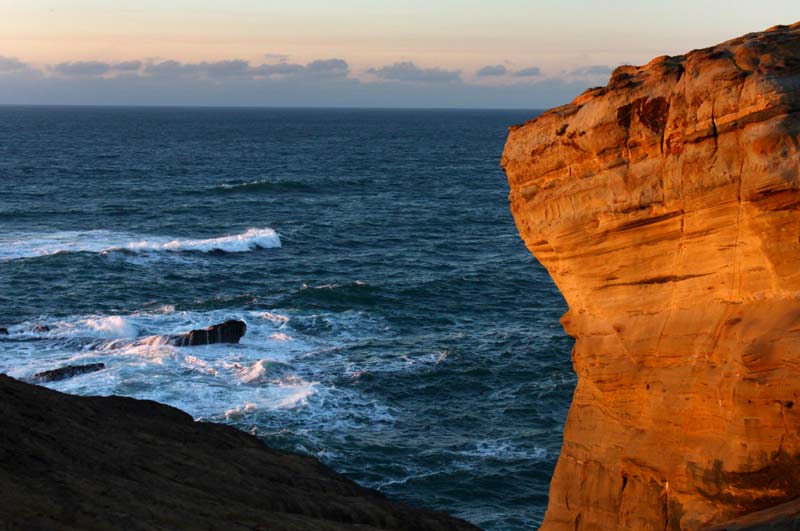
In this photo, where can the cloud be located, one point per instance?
(94, 68)
(128, 66)
(531, 71)
(321, 68)
(167, 69)
(276, 57)
(328, 68)
(492, 70)
(280, 69)
(322, 82)
(82, 68)
(12, 64)
(239, 69)
(592, 70)
(232, 68)
(223, 69)
(408, 71)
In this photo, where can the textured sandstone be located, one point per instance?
(666, 207)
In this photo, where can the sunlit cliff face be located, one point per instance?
(666, 206)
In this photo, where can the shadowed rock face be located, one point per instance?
(227, 332)
(87, 463)
(666, 207)
(62, 373)
(783, 517)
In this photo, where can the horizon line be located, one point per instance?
(266, 107)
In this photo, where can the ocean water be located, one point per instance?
(398, 329)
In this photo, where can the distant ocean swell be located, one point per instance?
(286, 186)
(257, 186)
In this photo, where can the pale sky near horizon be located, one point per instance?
(570, 41)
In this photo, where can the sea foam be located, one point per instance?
(32, 245)
(247, 241)
(114, 326)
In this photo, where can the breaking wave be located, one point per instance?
(104, 242)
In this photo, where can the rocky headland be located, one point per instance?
(90, 463)
(666, 207)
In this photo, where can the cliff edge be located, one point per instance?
(666, 207)
(90, 463)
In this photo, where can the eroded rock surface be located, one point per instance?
(666, 207)
(85, 463)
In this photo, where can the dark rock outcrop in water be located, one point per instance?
(666, 207)
(228, 332)
(62, 373)
(87, 463)
(3, 331)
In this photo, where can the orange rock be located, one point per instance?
(666, 207)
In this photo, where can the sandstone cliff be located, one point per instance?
(666, 207)
(84, 463)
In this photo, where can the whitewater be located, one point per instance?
(28, 245)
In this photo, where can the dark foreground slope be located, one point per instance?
(70, 462)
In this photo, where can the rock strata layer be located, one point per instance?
(90, 463)
(666, 207)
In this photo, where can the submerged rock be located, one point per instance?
(666, 207)
(3, 331)
(228, 332)
(40, 329)
(68, 371)
(92, 463)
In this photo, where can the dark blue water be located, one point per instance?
(398, 329)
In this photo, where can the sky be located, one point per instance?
(367, 53)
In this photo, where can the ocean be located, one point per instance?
(397, 327)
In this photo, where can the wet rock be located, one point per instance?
(97, 463)
(40, 329)
(68, 371)
(3, 331)
(228, 332)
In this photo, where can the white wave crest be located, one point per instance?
(114, 326)
(254, 372)
(32, 245)
(247, 241)
(296, 393)
(276, 318)
(238, 412)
